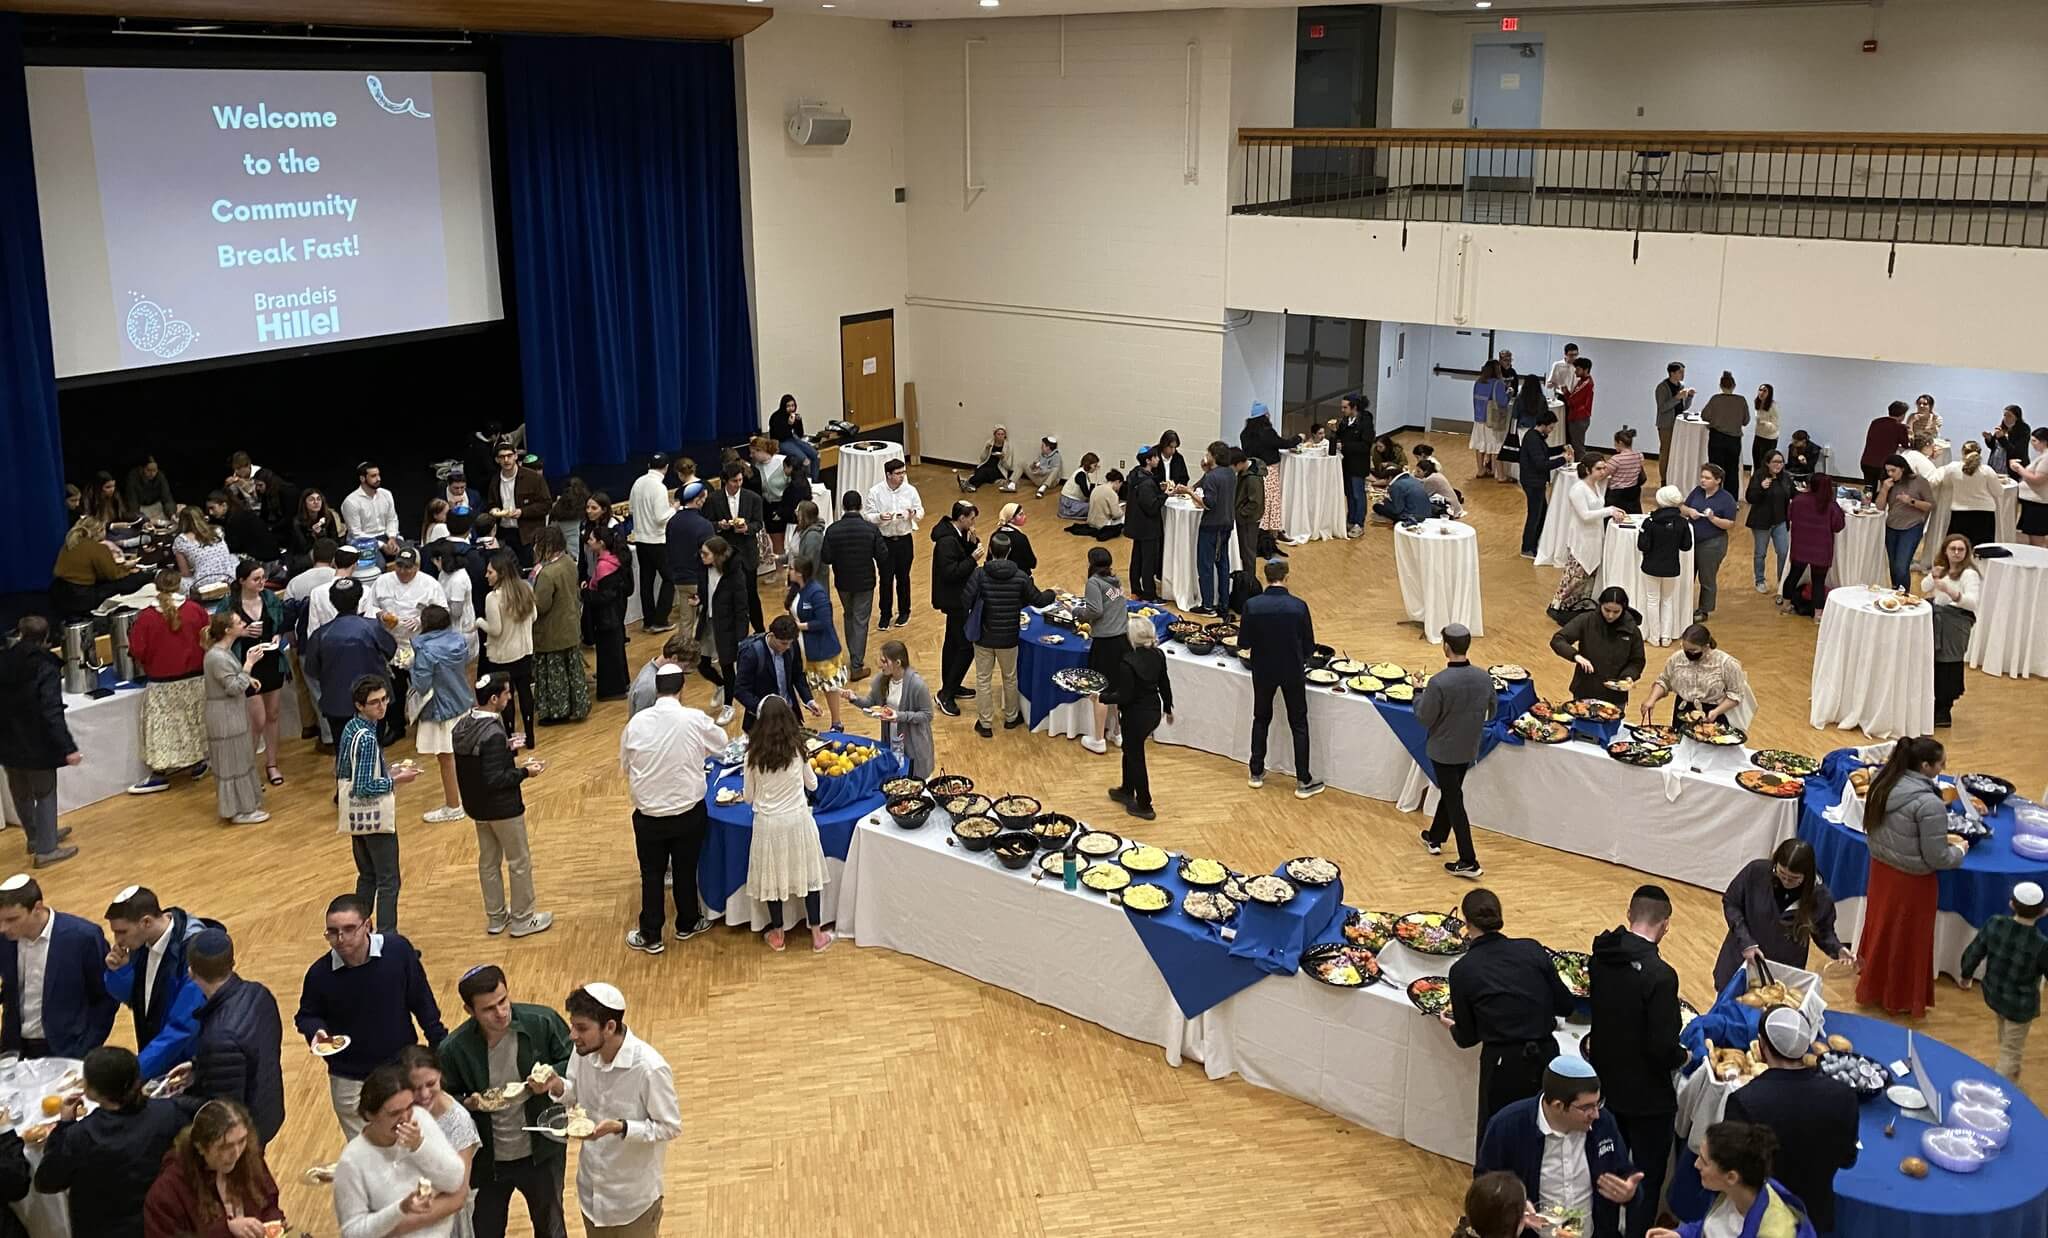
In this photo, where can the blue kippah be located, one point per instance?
(692, 490)
(1572, 1067)
(212, 942)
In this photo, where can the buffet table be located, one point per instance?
(1178, 583)
(2011, 636)
(2005, 528)
(1557, 518)
(22, 1088)
(1688, 453)
(1859, 551)
(861, 465)
(1873, 669)
(1311, 496)
(1621, 566)
(1437, 564)
(1047, 706)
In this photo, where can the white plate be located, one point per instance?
(329, 1048)
(1905, 1096)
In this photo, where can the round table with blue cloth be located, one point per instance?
(839, 804)
(2008, 1198)
(1036, 660)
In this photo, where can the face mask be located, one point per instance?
(1695, 655)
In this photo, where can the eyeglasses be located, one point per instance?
(1587, 1108)
(335, 934)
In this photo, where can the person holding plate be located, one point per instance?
(1604, 646)
(510, 1050)
(1705, 683)
(620, 1080)
(1776, 908)
(900, 699)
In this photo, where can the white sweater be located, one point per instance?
(371, 1182)
(509, 641)
(1971, 492)
(1587, 536)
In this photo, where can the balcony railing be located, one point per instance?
(1944, 189)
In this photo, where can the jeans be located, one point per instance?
(855, 609)
(501, 848)
(662, 842)
(542, 1186)
(798, 447)
(655, 605)
(1354, 501)
(986, 663)
(1899, 547)
(1212, 563)
(1707, 553)
(1778, 536)
(1450, 808)
(35, 802)
(1296, 694)
(1532, 524)
(1147, 553)
(956, 654)
(812, 914)
(899, 575)
(1137, 779)
(377, 876)
(1649, 1138)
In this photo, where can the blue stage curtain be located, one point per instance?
(32, 498)
(623, 167)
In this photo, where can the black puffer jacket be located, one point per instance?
(1144, 506)
(1003, 589)
(32, 730)
(1664, 536)
(236, 1055)
(854, 551)
(484, 770)
(1261, 441)
(952, 567)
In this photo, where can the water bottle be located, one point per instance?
(1070, 868)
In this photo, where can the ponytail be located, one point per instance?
(167, 582)
(1973, 458)
(1908, 754)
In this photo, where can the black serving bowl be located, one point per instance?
(973, 842)
(1990, 788)
(911, 811)
(1015, 848)
(1046, 828)
(903, 788)
(1320, 657)
(1017, 820)
(1200, 646)
(976, 806)
(945, 786)
(1181, 629)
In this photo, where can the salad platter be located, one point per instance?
(1341, 965)
(1080, 680)
(1779, 761)
(1663, 736)
(1591, 710)
(1312, 870)
(1371, 929)
(1431, 932)
(1721, 734)
(1431, 994)
(1575, 968)
(1637, 752)
(1776, 786)
(1540, 730)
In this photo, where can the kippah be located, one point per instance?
(15, 882)
(2027, 894)
(1789, 1032)
(211, 941)
(127, 892)
(606, 995)
(1573, 1067)
(668, 678)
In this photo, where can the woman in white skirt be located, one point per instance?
(1489, 418)
(232, 749)
(1585, 540)
(168, 642)
(786, 860)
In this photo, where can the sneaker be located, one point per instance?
(538, 922)
(249, 818)
(1470, 872)
(701, 926)
(948, 708)
(1429, 844)
(1094, 745)
(966, 692)
(1008, 487)
(1013, 722)
(725, 716)
(634, 941)
(1207, 612)
(151, 785)
(198, 771)
(658, 628)
(1120, 794)
(495, 925)
(959, 479)
(1356, 530)
(984, 730)
(882, 625)
(1942, 719)
(1041, 492)
(1761, 587)
(1117, 739)
(1529, 555)
(1308, 789)
(1255, 781)
(1142, 812)
(58, 856)
(442, 815)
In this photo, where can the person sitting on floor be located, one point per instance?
(1105, 510)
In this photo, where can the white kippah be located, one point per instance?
(15, 882)
(606, 995)
(2026, 894)
(1789, 1032)
(127, 892)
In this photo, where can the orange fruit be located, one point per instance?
(51, 1104)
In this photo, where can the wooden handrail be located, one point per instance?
(1695, 141)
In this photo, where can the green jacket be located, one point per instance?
(465, 1068)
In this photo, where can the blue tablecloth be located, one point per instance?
(1508, 705)
(1980, 889)
(863, 784)
(1201, 969)
(840, 804)
(1036, 660)
(2008, 1198)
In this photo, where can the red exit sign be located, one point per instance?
(1315, 32)
(1510, 23)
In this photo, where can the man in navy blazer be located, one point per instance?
(1567, 1151)
(770, 665)
(1280, 635)
(59, 958)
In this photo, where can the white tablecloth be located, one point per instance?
(1688, 453)
(2005, 529)
(1872, 670)
(1437, 564)
(861, 465)
(1621, 566)
(1687, 821)
(1177, 581)
(1557, 518)
(2011, 636)
(1859, 552)
(1350, 745)
(22, 1090)
(1311, 496)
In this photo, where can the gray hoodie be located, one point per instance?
(1913, 835)
(1104, 608)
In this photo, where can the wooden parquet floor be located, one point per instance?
(865, 1092)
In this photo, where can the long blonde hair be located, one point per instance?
(193, 523)
(516, 596)
(167, 582)
(88, 529)
(1973, 458)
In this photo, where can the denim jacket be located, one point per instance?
(440, 665)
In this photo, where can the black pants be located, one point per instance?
(899, 576)
(655, 604)
(1248, 546)
(1873, 476)
(509, 539)
(1627, 498)
(1532, 524)
(1510, 1071)
(32, 1049)
(753, 571)
(1760, 450)
(1948, 688)
(1137, 779)
(811, 912)
(612, 676)
(392, 729)
(660, 842)
(1798, 572)
(956, 655)
(521, 674)
(1147, 554)
(1726, 451)
(1649, 1138)
(1450, 808)
(988, 472)
(1296, 693)
(540, 1184)
(1979, 527)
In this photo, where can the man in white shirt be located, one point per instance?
(651, 510)
(399, 594)
(1567, 1151)
(626, 1088)
(662, 752)
(304, 587)
(893, 505)
(1563, 376)
(370, 511)
(52, 976)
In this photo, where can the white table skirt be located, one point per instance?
(1695, 827)
(1952, 934)
(1688, 453)
(2005, 528)
(1665, 605)
(1859, 553)
(1557, 518)
(1178, 583)
(45, 1216)
(1874, 671)
(1350, 745)
(859, 469)
(743, 910)
(1311, 497)
(1438, 567)
(2011, 636)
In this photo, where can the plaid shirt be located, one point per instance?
(2015, 956)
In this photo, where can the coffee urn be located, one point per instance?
(81, 659)
(124, 660)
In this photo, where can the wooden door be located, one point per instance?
(867, 368)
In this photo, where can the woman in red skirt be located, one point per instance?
(1909, 844)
